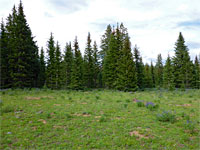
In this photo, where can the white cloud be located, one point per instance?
(153, 25)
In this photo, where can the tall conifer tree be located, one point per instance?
(51, 67)
(42, 76)
(67, 65)
(159, 72)
(89, 64)
(110, 63)
(4, 52)
(182, 64)
(97, 73)
(168, 76)
(126, 77)
(139, 68)
(77, 68)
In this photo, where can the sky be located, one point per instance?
(153, 25)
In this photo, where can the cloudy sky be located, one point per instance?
(153, 25)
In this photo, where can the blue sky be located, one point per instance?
(153, 25)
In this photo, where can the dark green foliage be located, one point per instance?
(126, 77)
(67, 65)
(139, 68)
(140, 103)
(89, 64)
(110, 63)
(182, 64)
(168, 77)
(152, 74)
(58, 67)
(51, 67)
(77, 68)
(4, 52)
(196, 73)
(97, 72)
(105, 40)
(148, 78)
(23, 56)
(42, 76)
(166, 116)
(159, 72)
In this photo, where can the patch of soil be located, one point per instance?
(137, 134)
(43, 121)
(32, 98)
(57, 104)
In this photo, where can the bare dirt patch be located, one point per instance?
(43, 121)
(32, 98)
(139, 135)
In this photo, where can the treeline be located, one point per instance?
(114, 66)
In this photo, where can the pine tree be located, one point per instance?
(196, 73)
(126, 77)
(58, 67)
(51, 67)
(67, 65)
(110, 63)
(97, 73)
(148, 82)
(42, 69)
(105, 40)
(153, 74)
(159, 72)
(77, 68)
(182, 64)
(89, 64)
(12, 51)
(4, 52)
(168, 77)
(139, 68)
(23, 58)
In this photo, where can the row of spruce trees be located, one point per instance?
(114, 66)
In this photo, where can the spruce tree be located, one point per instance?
(77, 68)
(89, 64)
(105, 40)
(51, 67)
(67, 65)
(42, 69)
(153, 74)
(196, 73)
(126, 77)
(182, 64)
(168, 76)
(148, 82)
(58, 67)
(110, 63)
(97, 73)
(139, 68)
(23, 56)
(4, 52)
(159, 72)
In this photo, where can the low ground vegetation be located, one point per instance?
(99, 119)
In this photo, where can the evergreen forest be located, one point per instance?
(114, 64)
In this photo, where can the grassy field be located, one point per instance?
(99, 119)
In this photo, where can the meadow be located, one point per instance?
(99, 119)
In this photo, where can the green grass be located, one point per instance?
(99, 119)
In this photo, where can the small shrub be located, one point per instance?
(125, 105)
(166, 116)
(189, 125)
(97, 97)
(140, 103)
(151, 106)
(103, 119)
(8, 109)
